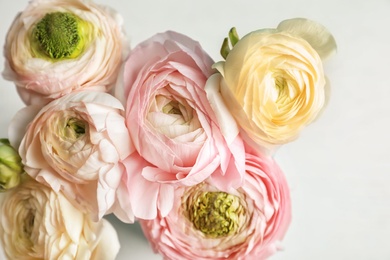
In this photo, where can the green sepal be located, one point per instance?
(233, 36)
(225, 48)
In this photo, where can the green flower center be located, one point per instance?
(59, 36)
(215, 214)
(75, 128)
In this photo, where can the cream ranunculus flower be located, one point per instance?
(38, 223)
(273, 80)
(55, 47)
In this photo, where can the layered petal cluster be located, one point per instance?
(273, 80)
(75, 144)
(38, 223)
(176, 136)
(55, 47)
(209, 223)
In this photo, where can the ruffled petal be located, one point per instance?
(314, 33)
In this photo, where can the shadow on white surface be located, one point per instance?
(134, 245)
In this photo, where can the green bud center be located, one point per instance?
(215, 214)
(60, 35)
(75, 128)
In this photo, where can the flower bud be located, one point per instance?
(11, 166)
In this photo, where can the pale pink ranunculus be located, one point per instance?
(208, 223)
(38, 223)
(75, 144)
(95, 64)
(177, 138)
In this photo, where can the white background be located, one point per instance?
(339, 169)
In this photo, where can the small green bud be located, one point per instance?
(60, 36)
(11, 166)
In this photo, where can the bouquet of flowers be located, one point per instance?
(160, 134)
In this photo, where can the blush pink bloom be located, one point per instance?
(172, 125)
(39, 78)
(207, 223)
(75, 144)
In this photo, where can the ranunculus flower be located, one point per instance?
(171, 123)
(55, 47)
(75, 145)
(273, 80)
(11, 166)
(209, 223)
(38, 223)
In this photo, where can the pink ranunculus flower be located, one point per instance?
(75, 144)
(208, 223)
(174, 130)
(55, 47)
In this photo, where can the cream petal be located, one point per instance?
(73, 228)
(108, 244)
(314, 33)
(226, 121)
(219, 66)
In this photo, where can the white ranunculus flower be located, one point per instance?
(38, 223)
(55, 47)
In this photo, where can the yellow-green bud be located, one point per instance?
(11, 166)
(60, 36)
(215, 214)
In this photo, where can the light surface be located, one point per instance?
(339, 168)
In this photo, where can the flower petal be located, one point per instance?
(226, 121)
(314, 33)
